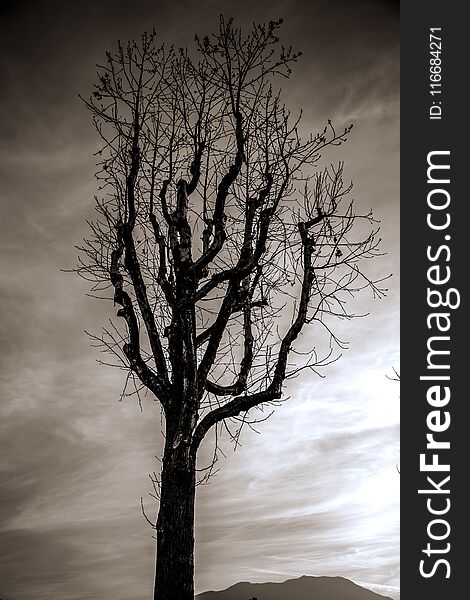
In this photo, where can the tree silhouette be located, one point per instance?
(220, 239)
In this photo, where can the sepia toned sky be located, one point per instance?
(316, 491)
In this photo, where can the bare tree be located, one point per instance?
(220, 239)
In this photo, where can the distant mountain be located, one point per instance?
(304, 588)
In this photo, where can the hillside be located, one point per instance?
(304, 588)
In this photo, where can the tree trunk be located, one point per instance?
(174, 578)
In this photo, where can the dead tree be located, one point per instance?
(220, 239)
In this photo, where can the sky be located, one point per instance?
(316, 491)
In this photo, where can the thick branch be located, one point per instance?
(218, 219)
(247, 361)
(162, 277)
(133, 268)
(195, 169)
(125, 232)
(248, 259)
(154, 382)
(274, 390)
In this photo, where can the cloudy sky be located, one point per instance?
(316, 492)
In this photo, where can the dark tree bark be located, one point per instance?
(221, 240)
(174, 578)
